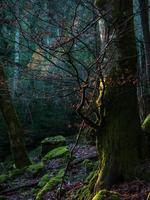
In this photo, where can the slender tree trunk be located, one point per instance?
(118, 143)
(16, 59)
(14, 128)
(146, 37)
(16, 56)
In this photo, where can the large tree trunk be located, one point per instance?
(118, 143)
(14, 128)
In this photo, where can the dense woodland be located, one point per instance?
(75, 100)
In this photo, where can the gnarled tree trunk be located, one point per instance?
(118, 142)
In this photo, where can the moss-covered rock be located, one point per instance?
(3, 178)
(50, 184)
(105, 195)
(55, 153)
(50, 143)
(44, 180)
(146, 124)
(35, 168)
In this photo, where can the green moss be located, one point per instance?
(11, 174)
(146, 124)
(53, 140)
(105, 194)
(34, 191)
(44, 180)
(85, 192)
(50, 184)
(35, 168)
(89, 177)
(89, 165)
(3, 178)
(16, 172)
(55, 153)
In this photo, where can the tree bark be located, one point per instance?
(118, 142)
(14, 128)
(146, 37)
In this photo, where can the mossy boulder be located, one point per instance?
(50, 143)
(105, 195)
(56, 153)
(146, 124)
(50, 184)
(35, 168)
(44, 180)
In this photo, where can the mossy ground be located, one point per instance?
(11, 174)
(49, 184)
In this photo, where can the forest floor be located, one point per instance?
(27, 184)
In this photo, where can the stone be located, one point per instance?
(50, 143)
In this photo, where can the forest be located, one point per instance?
(74, 100)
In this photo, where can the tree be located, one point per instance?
(118, 138)
(144, 15)
(15, 131)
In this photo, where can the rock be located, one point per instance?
(35, 168)
(50, 143)
(44, 180)
(56, 153)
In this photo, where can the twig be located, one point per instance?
(69, 160)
